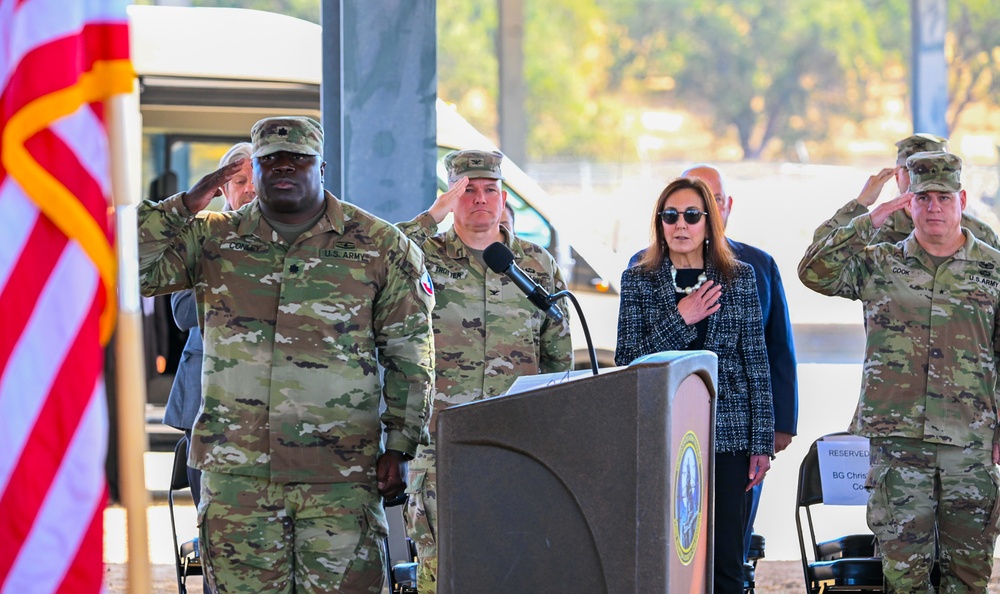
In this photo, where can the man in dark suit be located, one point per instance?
(777, 329)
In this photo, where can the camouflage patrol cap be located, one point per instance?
(919, 143)
(473, 164)
(295, 134)
(934, 171)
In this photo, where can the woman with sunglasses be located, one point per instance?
(688, 292)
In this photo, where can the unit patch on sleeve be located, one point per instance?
(426, 284)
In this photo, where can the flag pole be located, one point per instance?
(125, 141)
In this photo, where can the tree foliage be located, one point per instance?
(566, 60)
(769, 73)
(973, 49)
(775, 69)
(468, 74)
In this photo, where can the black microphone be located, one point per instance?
(501, 260)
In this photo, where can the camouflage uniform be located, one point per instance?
(899, 224)
(290, 417)
(906, 508)
(928, 397)
(486, 334)
(334, 529)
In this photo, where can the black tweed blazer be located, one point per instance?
(649, 322)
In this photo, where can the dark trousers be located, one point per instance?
(753, 501)
(731, 469)
(194, 476)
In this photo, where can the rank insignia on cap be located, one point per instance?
(934, 171)
(293, 134)
(474, 164)
(918, 143)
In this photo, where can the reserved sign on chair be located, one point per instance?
(843, 467)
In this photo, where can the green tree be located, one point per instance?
(972, 48)
(468, 74)
(775, 69)
(973, 51)
(769, 72)
(566, 59)
(566, 74)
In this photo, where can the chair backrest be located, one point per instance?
(810, 484)
(178, 476)
(856, 549)
(178, 481)
(810, 488)
(809, 492)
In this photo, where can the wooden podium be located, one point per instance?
(602, 484)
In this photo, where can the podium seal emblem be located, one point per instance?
(688, 488)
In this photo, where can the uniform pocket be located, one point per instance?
(992, 527)
(415, 513)
(879, 512)
(366, 570)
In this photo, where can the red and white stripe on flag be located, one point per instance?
(59, 61)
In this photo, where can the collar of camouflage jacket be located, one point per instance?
(457, 249)
(970, 250)
(253, 222)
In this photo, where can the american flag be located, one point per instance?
(59, 60)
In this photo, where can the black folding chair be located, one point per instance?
(844, 564)
(186, 555)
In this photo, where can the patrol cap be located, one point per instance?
(473, 164)
(919, 143)
(934, 171)
(295, 134)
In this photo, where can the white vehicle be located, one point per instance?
(199, 92)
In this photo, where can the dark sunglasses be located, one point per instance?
(691, 216)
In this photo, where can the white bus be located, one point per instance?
(200, 91)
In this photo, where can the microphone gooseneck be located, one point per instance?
(500, 259)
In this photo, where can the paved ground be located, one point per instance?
(776, 577)
(773, 577)
(785, 577)
(164, 580)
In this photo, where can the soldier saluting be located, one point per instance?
(486, 332)
(928, 397)
(900, 224)
(302, 299)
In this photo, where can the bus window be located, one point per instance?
(528, 223)
(175, 163)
